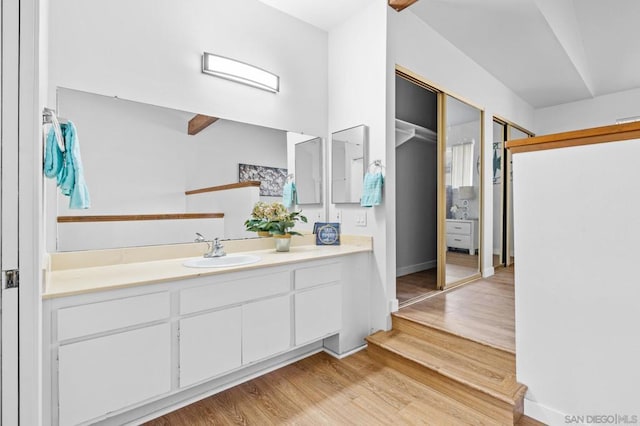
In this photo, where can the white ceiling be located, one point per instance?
(549, 52)
(324, 14)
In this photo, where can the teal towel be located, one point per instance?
(289, 195)
(67, 166)
(372, 190)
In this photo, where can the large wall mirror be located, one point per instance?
(140, 162)
(462, 168)
(308, 171)
(348, 163)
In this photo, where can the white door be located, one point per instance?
(9, 91)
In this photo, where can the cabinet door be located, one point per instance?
(98, 376)
(209, 345)
(266, 328)
(318, 313)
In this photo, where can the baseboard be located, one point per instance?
(188, 396)
(543, 413)
(487, 272)
(346, 354)
(411, 269)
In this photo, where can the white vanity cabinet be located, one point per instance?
(319, 295)
(120, 354)
(266, 328)
(112, 354)
(210, 344)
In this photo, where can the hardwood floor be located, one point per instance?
(412, 286)
(361, 390)
(322, 390)
(482, 310)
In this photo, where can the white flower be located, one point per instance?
(454, 208)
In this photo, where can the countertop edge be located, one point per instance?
(88, 274)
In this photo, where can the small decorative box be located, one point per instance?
(327, 233)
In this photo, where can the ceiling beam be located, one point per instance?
(200, 122)
(398, 5)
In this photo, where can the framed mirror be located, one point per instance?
(308, 171)
(349, 161)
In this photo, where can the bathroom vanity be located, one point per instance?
(128, 341)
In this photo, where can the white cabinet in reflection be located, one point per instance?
(463, 234)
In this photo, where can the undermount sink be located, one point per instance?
(221, 262)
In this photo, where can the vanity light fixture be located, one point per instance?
(240, 72)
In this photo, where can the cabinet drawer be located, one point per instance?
(231, 292)
(318, 313)
(463, 228)
(78, 321)
(316, 275)
(458, 241)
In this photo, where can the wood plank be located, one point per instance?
(200, 122)
(491, 376)
(482, 311)
(323, 390)
(246, 184)
(604, 134)
(415, 285)
(479, 401)
(130, 217)
(399, 5)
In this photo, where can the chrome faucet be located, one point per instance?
(215, 247)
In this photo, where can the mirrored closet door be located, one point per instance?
(503, 243)
(462, 177)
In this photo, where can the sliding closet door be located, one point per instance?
(461, 148)
(513, 133)
(499, 200)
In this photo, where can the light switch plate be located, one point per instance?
(361, 219)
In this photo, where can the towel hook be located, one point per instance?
(49, 117)
(376, 164)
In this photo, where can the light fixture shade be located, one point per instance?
(466, 193)
(240, 72)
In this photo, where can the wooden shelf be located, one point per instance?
(224, 187)
(123, 218)
(604, 134)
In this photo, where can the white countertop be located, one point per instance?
(81, 280)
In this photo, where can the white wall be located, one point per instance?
(357, 95)
(134, 155)
(150, 51)
(214, 153)
(104, 235)
(418, 47)
(576, 282)
(236, 204)
(599, 111)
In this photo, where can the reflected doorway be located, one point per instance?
(503, 241)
